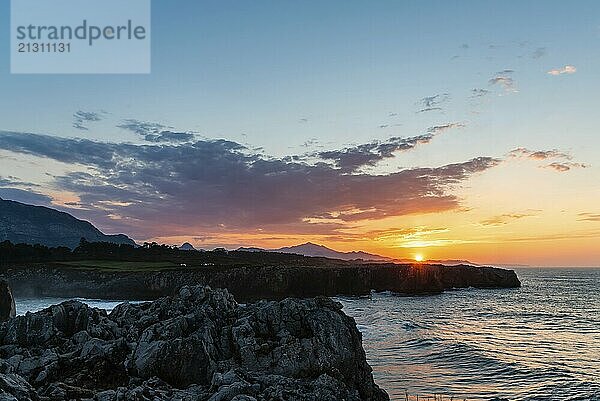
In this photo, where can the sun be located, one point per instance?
(419, 257)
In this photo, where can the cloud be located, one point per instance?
(567, 69)
(539, 154)
(170, 136)
(81, 117)
(353, 158)
(562, 164)
(438, 129)
(311, 142)
(369, 154)
(589, 216)
(25, 196)
(155, 132)
(142, 128)
(504, 79)
(539, 53)
(404, 234)
(14, 181)
(433, 103)
(15, 189)
(556, 237)
(506, 218)
(565, 166)
(478, 92)
(178, 189)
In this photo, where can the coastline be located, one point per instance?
(253, 283)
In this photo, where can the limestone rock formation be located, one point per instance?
(197, 345)
(252, 283)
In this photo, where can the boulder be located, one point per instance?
(7, 302)
(197, 345)
(14, 387)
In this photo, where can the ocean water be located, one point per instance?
(538, 342)
(37, 304)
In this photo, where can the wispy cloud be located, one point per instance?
(565, 166)
(142, 128)
(80, 118)
(353, 158)
(589, 216)
(16, 189)
(562, 164)
(506, 218)
(505, 80)
(567, 69)
(433, 103)
(539, 154)
(404, 234)
(14, 181)
(438, 129)
(539, 53)
(170, 136)
(155, 132)
(25, 196)
(479, 92)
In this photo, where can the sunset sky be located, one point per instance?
(447, 129)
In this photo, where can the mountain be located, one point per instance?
(310, 249)
(22, 223)
(187, 247)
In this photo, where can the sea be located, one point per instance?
(538, 342)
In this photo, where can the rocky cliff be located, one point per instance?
(257, 282)
(7, 301)
(197, 345)
(21, 223)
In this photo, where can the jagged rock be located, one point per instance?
(197, 345)
(14, 387)
(7, 302)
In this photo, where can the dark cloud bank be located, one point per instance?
(159, 189)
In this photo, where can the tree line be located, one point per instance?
(26, 253)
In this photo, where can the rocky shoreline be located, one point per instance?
(249, 284)
(197, 345)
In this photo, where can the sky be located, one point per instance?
(463, 130)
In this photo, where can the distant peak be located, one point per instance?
(311, 244)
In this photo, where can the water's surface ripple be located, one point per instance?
(539, 342)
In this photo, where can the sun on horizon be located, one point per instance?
(419, 257)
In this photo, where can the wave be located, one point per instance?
(536, 343)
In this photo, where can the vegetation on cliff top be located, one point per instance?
(150, 256)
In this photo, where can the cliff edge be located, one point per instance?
(197, 345)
